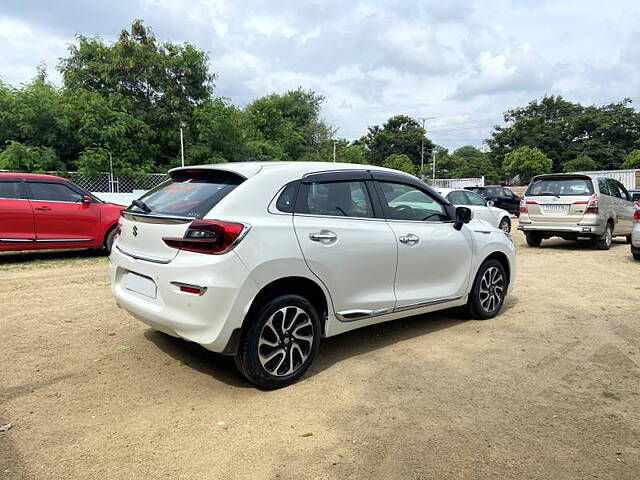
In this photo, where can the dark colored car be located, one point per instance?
(48, 212)
(635, 195)
(501, 197)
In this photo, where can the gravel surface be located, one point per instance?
(549, 389)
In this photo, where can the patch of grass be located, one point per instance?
(611, 395)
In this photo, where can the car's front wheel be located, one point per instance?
(488, 291)
(280, 342)
(505, 225)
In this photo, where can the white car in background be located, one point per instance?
(481, 209)
(263, 260)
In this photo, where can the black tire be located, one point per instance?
(276, 312)
(505, 224)
(635, 252)
(603, 242)
(479, 304)
(534, 239)
(628, 239)
(108, 240)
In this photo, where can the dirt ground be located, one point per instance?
(549, 389)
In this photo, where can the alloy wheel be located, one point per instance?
(286, 341)
(505, 225)
(491, 289)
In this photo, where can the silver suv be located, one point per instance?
(576, 206)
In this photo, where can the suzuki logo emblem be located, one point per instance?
(135, 230)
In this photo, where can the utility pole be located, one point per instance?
(334, 151)
(424, 119)
(182, 125)
(433, 154)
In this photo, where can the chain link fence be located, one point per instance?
(105, 182)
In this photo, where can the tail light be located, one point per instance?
(636, 216)
(209, 236)
(592, 206)
(523, 204)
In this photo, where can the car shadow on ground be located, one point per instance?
(47, 255)
(332, 350)
(560, 244)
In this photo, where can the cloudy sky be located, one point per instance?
(461, 62)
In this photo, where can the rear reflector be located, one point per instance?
(188, 288)
(209, 236)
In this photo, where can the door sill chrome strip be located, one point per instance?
(17, 240)
(353, 315)
(53, 240)
(163, 261)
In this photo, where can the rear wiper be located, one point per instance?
(141, 205)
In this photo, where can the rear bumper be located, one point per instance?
(208, 319)
(576, 228)
(635, 235)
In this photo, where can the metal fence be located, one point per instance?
(458, 182)
(105, 182)
(629, 178)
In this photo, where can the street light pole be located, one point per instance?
(424, 119)
(182, 125)
(433, 154)
(334, 151)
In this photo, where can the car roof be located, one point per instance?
(31, 175)
(249, 169)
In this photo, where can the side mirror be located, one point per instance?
(86, 199)
(490, 203)
(463, 215)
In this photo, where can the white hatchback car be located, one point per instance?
(262, 260)
(481, 208)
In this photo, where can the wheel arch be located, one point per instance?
(503, 259)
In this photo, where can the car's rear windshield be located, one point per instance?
(560, 187)
(189, 193)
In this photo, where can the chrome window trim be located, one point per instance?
(10, 198)
(271, 208)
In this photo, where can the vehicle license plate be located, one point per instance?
(139, 284)
(555, 208)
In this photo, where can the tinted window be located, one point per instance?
(409, 203)
(635, 196)
(457, 198)
(10, 190)
(603, 186)
(339, 199)
(492, 192)
(623, 192)
(560, 187)
(475, 199)
(614, 188)
(53, 192)
(190, 193)
(508, 193)
(287, 198)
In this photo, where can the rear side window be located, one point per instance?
(475, 199)
(10, 190)
(53, 192)
(560, 187)
(189, 193)
(338, 199)
(457, 198)
(603, 186)
(287, 198)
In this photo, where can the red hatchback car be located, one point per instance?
(46, 212)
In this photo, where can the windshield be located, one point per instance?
(560, 187)
(190, 193)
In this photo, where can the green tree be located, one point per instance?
(159, 83)
(580, 163)
(632, 160)
(399, 135)
(289, 125)
(471, 163)
(400, 161)
(527, 162)
(19, 157)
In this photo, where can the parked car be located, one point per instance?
(262, 260)
(635, 235)
(576, 206)
(48, 212)
(501, 197)
(481, 208)
(635, 196)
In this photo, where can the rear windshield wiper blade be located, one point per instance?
(141, 205)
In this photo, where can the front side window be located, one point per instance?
(53, 192)
(623, 192)
(10, 190)
(408, 203)
(508, 193)
(475, 199)
(457, 197)
(338, 199)
(614, 188)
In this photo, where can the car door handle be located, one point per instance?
(42, 209)
(323, 235)
(409, 239)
